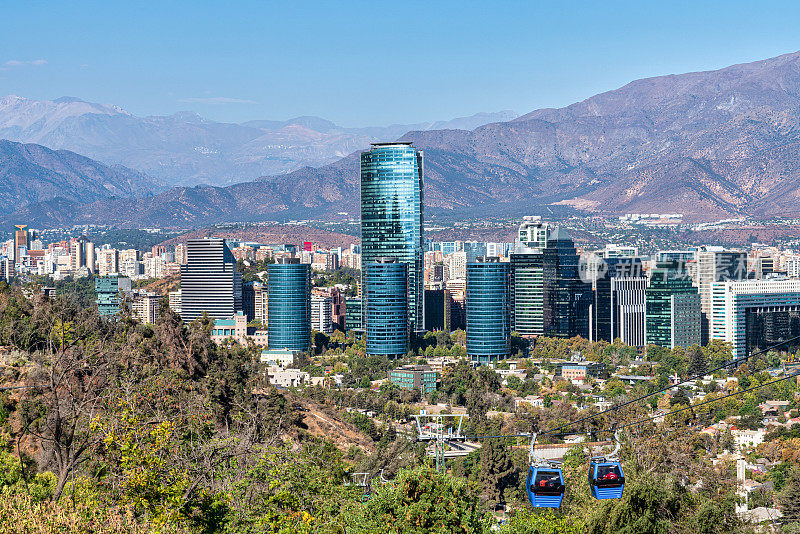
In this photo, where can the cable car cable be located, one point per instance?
(695, 377)
(710, 401)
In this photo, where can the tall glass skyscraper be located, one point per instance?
(527, 291)
(567, 297)
(386, 304)
(289, 304)
(391, 216)
(672, 307)
(604, 312)
(210, 282)
(488, 318)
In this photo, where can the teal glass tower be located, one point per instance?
(391, 216)
(672, 307)
(488, 316)
(289, 304)
(386, 318)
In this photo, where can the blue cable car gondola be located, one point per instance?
(545, 483)
(606, 478)
(545, 486)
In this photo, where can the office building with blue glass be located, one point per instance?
(487, 310)
(289, 304)
(391, 216)
(386, 307)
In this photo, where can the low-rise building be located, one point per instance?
(748, 438)
(581, 370)
(279, 357)
(287, 378)
(235, 327)
(532, 401)
(419, 377)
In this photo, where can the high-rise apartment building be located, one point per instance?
(386, 307)
(145, 306)
(487, 311)
(321, 307)
(253, 299)
(107, 261)
(456, 264)
(392, 215)
(210, 282)
(567, 297)
(672, 305)
(175, 301)
(527, 291)
(289, 304)
(180, 254)
(792, 267)
(20, 241)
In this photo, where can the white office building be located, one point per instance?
(753, 314)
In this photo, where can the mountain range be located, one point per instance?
(187, 149)
(50, 174)
(711, 145)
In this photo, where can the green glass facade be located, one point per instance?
(391, 215)
(353, 316)
(414, 377)
(289, 305)
(488, 311)
(669, 301)
(108, 290)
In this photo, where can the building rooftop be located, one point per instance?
(559, 234)
(402, 143)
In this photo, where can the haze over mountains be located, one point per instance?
(707, 144)
(187, 149)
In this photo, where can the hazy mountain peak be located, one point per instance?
(67, 100)
(188, 116)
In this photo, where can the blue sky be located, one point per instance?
(370, 63)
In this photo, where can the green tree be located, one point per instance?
(789, 499)
(528, 521)
(420, 501)
(497, 472)
(697, 361)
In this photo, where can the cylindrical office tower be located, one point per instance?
(386, 307)
(289, 304)
(392, 216)
(487, 310)
(90, 256)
